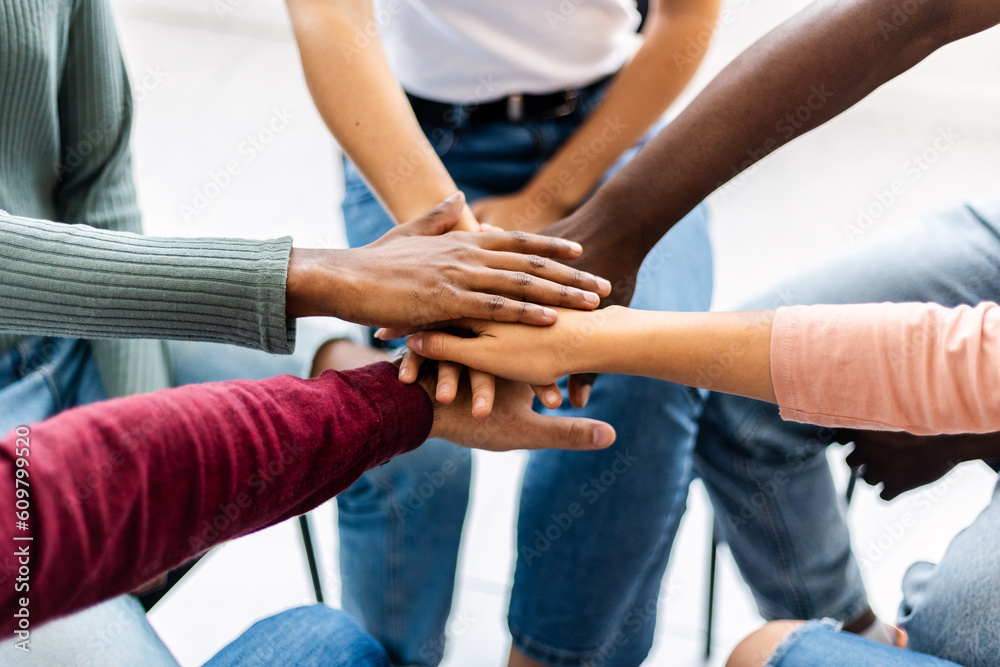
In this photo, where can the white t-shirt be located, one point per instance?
(468, 51)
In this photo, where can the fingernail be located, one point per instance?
(604, 284)
(552, 397)
(416, 343)
(591, 298)
(602, 437)
(574, 246)
(380, 334)
(443, 392)
(547, 312)
(453, 197)
(480, 404)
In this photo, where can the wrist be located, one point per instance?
(603, 352)
(427, 380)
(319, 283)
(555, 191)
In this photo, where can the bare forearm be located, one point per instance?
(802, 74)
(727, 352)
(366, 109)
(640, 94)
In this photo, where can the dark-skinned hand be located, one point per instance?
(901, 462)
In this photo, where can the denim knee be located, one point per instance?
(820, 644)
(950, 609)
(306, 637)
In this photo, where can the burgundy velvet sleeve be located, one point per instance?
(124, 490)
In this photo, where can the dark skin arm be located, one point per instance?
(826, 58)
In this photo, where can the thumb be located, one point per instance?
(438, 220)
(543, 431)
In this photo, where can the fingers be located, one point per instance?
(530, 244)
(546, 432)
(550, 395)
(483, 392)
(529, 288)
(446, 347)
(447, 385)
(856, 458)
(409, 366)
(549, 269)
(438, 220)
(394, 333)
(579, 388)
(497, 308)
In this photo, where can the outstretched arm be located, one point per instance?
(113, 494)
(921, 368)
(803, 73)
(74, 280)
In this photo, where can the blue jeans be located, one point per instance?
(594, 529)
(818, 644)
(771, 485)
(316, 636)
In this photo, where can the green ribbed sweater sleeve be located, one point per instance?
(82, 282)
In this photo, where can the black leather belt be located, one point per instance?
(513, 108)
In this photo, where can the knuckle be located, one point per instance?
(574, 432)
(495, 303)
(523, 280)
(434, 347)
(519, 236)
(537, 262)
(577, 276)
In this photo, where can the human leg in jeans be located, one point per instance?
(769, 480)
(400, 525)
(819, 644)
(952, 609)
(595, 532)
(315, 636)
(40, 377)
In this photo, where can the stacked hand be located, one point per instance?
(612, 251)
(512, 423)
(538, 356)
(417, 275)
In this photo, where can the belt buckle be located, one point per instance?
(515, 108)
(571, 100)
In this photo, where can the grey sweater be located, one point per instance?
(65, 121)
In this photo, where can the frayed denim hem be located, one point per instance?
(795, 635)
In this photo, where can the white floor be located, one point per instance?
(209, 75)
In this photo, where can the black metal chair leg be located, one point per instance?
(710, 619)
(311, 556)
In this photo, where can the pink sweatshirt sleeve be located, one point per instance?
(118, 492)
(914, 367)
